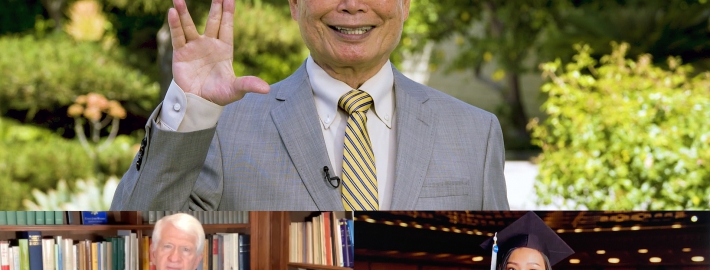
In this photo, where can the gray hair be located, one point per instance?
(183, 222)
(503, 263)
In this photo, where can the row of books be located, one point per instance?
(32, 252)
(32, 217)
(325, 238)
(205, 217)
(228, 251)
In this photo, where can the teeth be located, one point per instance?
(354, 31)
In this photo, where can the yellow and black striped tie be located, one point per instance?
(359, 190)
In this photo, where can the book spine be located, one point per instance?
(10, 257)
(3, 217)
(31, 219)
(4, 255)
(345, 242)
(34, 243)
(328, 238)
(57, 260)
(215, 252)
(244, 252)
(17, 257)
(146, 252)
(39, 217)
(21, 217)
(58, 217)
(11, 217)
(49, 217)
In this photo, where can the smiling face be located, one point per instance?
(525, 259)
(357, 34)
(176, 250)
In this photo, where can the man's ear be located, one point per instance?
(293, 4)
(152, 255)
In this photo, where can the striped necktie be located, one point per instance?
(359, 176)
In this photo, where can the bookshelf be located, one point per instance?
(269, 233)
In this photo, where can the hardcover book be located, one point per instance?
(93, 218)
(34, 248)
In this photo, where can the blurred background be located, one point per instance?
(603, 104)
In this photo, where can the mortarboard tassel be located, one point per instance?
(494, 253)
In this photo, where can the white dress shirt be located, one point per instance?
(185, 112)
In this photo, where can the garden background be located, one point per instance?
(608, 101)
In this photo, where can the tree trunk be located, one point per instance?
(54, 9)
(512, 98)
(165, 58)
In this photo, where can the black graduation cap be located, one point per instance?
(531, 232)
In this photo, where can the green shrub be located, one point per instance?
(88, 195)
(625, 134)
(267, 42)
(35, 158)
(48, 73)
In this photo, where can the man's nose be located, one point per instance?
(174, 255)
(352, 6)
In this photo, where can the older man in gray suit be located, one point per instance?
(220, 142)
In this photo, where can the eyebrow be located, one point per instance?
(515, 263)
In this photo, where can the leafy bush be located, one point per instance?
(267, 42)
(625, 134)
(32, 158)
(89, 195)
(48, 73)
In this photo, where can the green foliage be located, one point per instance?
(32, 158)
(89, 195)
(18, 16)
(625, 134)
(267, 42)
(48, 73)
(659, 28)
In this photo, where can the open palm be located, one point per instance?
(202, 64)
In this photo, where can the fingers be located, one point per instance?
(226, 28)
(176, 33)
(214, 19)
(250, 84)
(188, 26)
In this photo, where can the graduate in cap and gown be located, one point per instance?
(526, 244)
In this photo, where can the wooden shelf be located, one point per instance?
(317, 266)
(46, 228)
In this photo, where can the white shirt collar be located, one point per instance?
(328, 90)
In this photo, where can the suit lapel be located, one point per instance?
(297, 124)
(415, 141)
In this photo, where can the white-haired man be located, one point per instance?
(177, 242)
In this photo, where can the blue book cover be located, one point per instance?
(34, 243)
(344, 242)
(93, 218)
(244, 246)
(351, 231)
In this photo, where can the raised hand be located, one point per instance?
(202, 64)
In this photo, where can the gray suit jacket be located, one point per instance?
(267, 153)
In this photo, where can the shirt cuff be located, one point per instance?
(186, 112)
